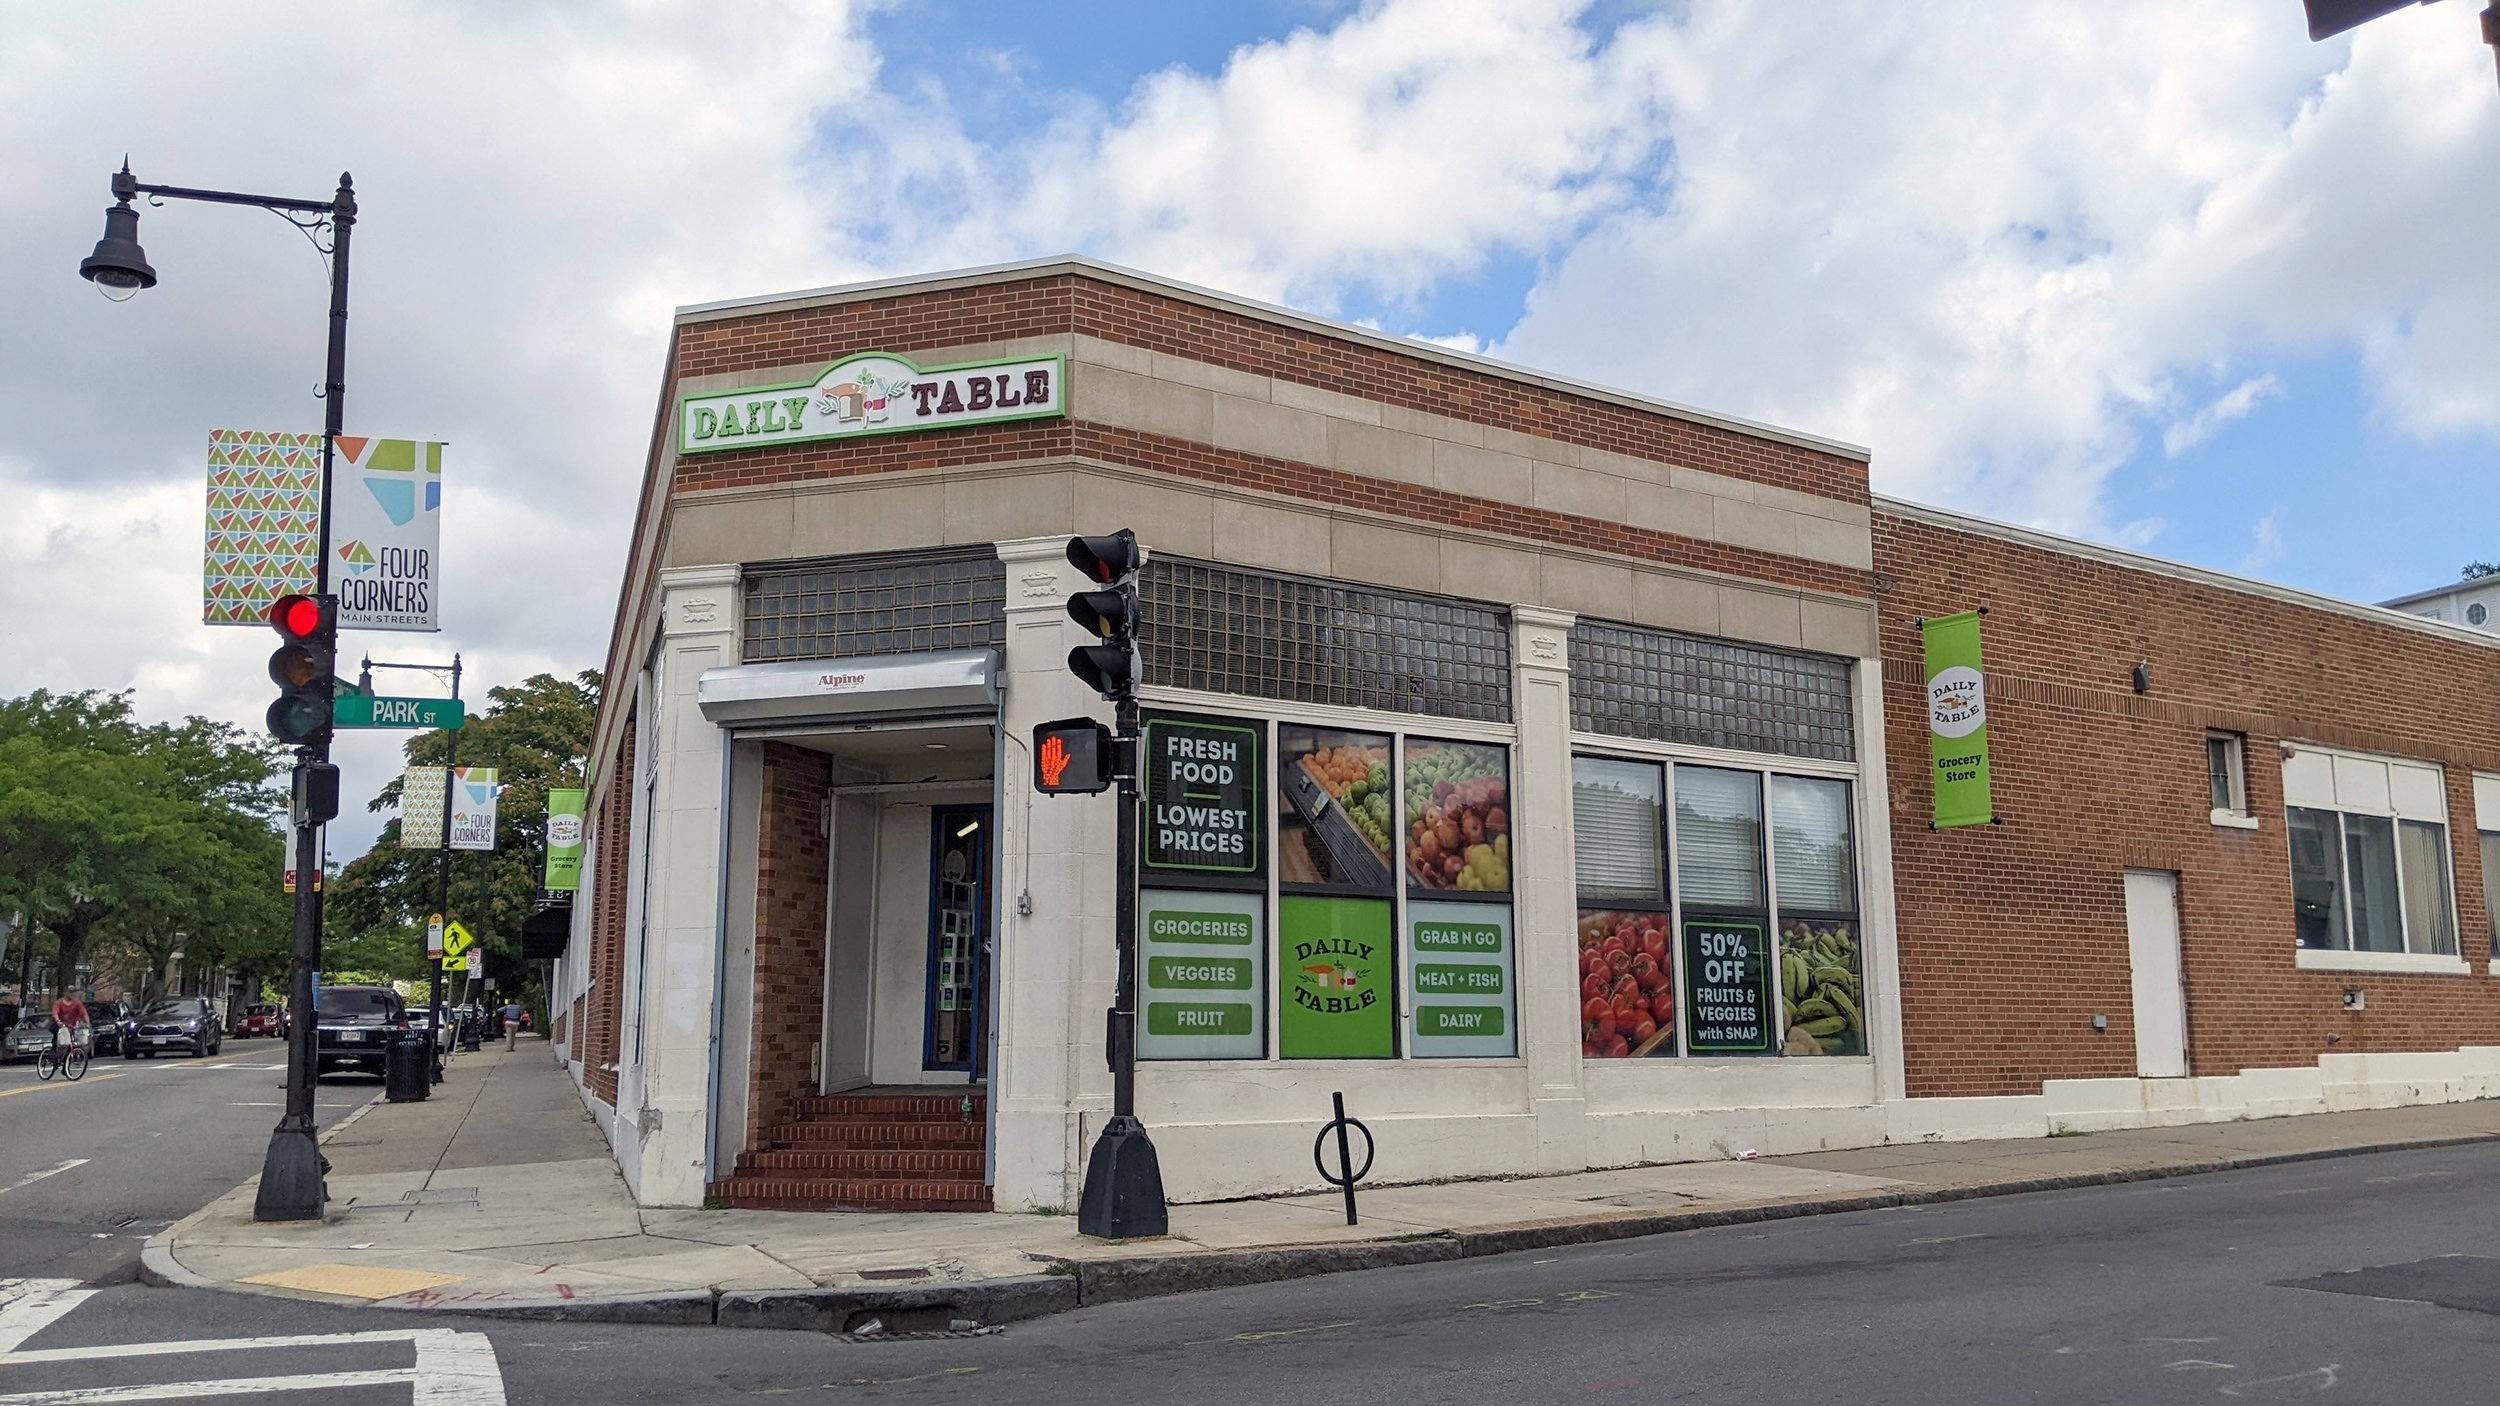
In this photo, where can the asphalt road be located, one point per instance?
(2206, 1289)
(89, 1170)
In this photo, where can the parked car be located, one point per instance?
(109, 1022)
(355, 1027)
(422, 1019)
(26, 1039)
(260, 1020)
(184, 1023)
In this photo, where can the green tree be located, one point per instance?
(2477, 570)
(535, 735)
(121, 842)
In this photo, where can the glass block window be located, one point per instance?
(1633, 682)
(1225, 630)
(833, 609)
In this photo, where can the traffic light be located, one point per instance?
(1072, 757)
(1110, 614)
(301, 668)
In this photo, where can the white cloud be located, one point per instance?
(1983, 239)
(2140, 533)
(2232, 405)
(2265, 544)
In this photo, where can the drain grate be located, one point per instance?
(894, 1274)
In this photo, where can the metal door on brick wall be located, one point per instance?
(959, 939)
(2160, 985)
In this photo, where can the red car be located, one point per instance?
(261, 1020)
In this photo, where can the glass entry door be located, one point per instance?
(959, 940)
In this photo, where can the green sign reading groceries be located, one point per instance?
(1202, 986)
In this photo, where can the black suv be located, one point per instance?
(110, 1020)
(356, 1025)
(182, 1023)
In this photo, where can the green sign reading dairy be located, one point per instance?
(1460, 988)
(871, 394)
(1202, 986)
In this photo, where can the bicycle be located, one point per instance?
(70, 1060)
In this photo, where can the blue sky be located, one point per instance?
(2256, 332)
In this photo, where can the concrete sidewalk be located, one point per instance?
(498, 1195)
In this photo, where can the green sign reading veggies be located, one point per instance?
(1957, 721)
(1203, 783)
(1202, 988)
(1337, 959)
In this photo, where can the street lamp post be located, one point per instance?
(291, 1186)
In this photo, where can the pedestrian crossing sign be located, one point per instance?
(456, 940)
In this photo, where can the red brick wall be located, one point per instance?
(790, 893)
(611, 861)
(2014, 936)
(1117, 313)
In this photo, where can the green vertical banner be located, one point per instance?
(564, 840)
(1957, 721)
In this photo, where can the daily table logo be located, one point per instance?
(1957, 703)
(873, 393)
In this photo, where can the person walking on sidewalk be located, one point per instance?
(511, 1026)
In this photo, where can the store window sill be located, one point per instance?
(2233, 820)
(2312, 959)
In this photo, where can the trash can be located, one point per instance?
(403, 1069)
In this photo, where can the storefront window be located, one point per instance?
(1725, 943)
(1821, 975)
(1461, 987)
(1203, 899)
(1627, 959)
(1335, 816)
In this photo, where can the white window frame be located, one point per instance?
(2237, 815)
(2486, 822)
(2340, 959)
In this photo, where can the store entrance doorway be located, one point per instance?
(2160, 987)
(959, 941)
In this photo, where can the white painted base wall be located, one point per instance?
(1266, 1147)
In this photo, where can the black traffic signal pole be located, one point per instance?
(1123, 1194)
(291, 1175)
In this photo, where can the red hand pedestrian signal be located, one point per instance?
(1071, 757)
(1054, 759)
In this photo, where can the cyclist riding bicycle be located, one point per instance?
(69, 1021)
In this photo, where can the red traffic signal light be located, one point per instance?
(1106, 559)
(301, 668)
(1071, 757)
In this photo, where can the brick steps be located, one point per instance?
(787, 1193)
(867, 1152)
(913, 1166)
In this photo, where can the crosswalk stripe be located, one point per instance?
(452, 1368)
(28, 1306)
(32, 1177)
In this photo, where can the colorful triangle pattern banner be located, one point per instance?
(264, 518)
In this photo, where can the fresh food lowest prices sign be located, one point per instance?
(871, 394)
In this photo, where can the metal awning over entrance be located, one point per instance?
(958, 682)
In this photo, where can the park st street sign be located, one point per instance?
(359, 710)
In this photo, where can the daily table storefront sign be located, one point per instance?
(871, 394)
(1957, 721)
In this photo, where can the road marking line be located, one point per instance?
(452, 1368)
(32, 1177)
(33, 1305)
(39, 1088)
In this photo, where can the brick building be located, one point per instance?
(1517, 764)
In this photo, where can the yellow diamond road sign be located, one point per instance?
(456, 939)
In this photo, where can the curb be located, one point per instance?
(1086, 1283)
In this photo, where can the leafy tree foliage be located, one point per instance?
(536, 735)
(2477, 570)
(121, 842)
